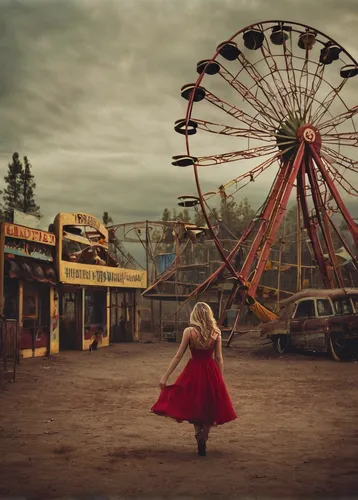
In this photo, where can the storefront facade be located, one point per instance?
(96, 297)
(28, 294)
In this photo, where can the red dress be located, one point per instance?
(199, 395)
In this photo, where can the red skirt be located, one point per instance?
(199, 395)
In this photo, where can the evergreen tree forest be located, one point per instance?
(19, 190)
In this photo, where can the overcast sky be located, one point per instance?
(90, 89)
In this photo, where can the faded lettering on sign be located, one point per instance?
(26, 233)
(87, 220)
(84, 274)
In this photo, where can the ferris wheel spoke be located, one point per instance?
(312, 92)
(286, 95)
(340, 179)
(341, 139)
(261, 83)
(246, 154)
(290, 71)
(296, 116)
(267, 110)
(217, 128)
(345, 185)
(303, 81)
(327, 103)
(332, 156)
(337, 120)
(237, 113)
(251, 175)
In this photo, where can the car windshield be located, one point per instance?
(342, 306)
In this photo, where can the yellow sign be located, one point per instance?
(83, 274)
(80, 219)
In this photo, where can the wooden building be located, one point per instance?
(96, 297)
(28, 296)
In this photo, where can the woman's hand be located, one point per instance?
(163, 382)
(176, 360)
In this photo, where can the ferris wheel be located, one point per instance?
(276, 105)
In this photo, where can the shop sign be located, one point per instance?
(83, 274)
(25, 248)
(86, 220)
(26, 233)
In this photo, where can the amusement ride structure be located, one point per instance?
(285, 91)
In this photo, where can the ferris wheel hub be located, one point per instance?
(309, 134)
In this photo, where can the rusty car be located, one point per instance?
(318, 321)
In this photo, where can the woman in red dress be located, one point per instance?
(199, 395)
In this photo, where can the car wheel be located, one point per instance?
(337, 346)
(281, 343)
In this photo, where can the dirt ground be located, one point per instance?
(79, 425)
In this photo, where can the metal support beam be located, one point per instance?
(352, 227)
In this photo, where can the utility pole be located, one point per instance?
(148, 274)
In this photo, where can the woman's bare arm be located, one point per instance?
(177, 358)
(219, 355)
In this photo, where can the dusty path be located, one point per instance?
(79, 424)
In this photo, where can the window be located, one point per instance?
(324, 307)
(342, 306)
(305, 308)
(95, 307)
(30, 301)
(68, 306)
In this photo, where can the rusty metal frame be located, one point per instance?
(308, 161)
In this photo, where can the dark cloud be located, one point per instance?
(89, 91)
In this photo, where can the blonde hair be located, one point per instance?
(202, 318)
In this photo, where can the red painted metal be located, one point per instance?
(323, 221)
(296, 96)
(334, 191)
(265, 218)
(281, 205)
(254, 123)
(311, 229)
(247, 154)
(269, 112)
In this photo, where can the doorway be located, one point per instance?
(122, 316)
(71, 319)
(35, 318)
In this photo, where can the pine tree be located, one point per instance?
(166, 215)
(19, 190)
(184, 216)
(2, 215)
(213, 215)
(12, 191)
(27, 202)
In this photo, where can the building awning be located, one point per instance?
(30, 269)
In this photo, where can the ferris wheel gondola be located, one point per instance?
(276, 96)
